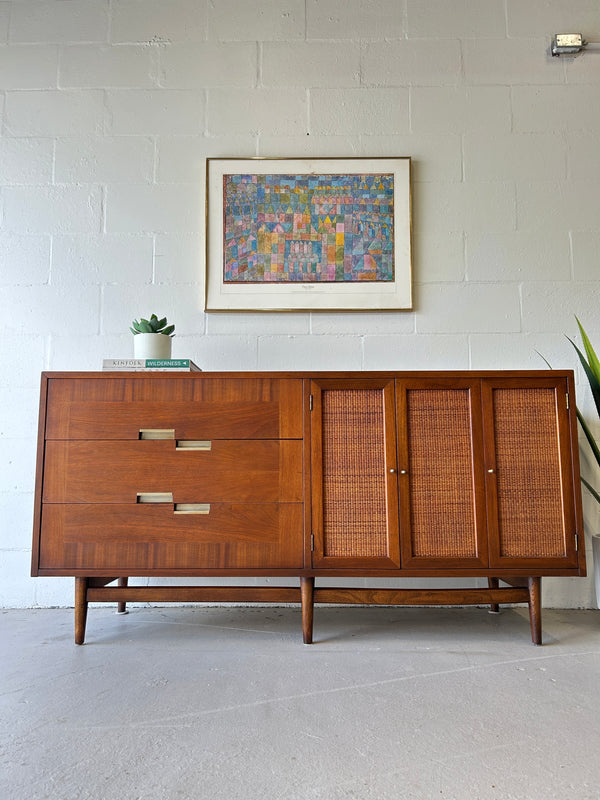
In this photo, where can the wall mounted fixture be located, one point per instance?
(570, 44)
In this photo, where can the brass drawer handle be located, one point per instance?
(191, 444)
(192, 508)
(157, 433)
(155, 497)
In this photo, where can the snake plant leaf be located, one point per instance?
(591, 489)
(589, 437)
(544, 359)
(592, 358)
(592, 379)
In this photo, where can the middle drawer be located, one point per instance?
(118, 471)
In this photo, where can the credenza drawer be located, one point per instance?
(120, 408)
(146, 537)
(132, 471)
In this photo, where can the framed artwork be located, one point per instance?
(317, 234)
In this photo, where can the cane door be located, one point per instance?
(531, 507)
(354, 475)
(441, 474)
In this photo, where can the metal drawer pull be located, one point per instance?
(155, 497)
(157, 433)
(192, 508)
(190, 444)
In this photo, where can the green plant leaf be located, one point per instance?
(592, 379)
(133, 331)
(549, 365)
(591, 489)
(592, 358)
(588, 435)
(152, 325)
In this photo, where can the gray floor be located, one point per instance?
(218, 703)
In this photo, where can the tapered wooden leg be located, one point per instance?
(307, 587)
(535, 609)
(493, 583)
(81, 607)
(122, 606)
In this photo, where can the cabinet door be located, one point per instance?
(531, 512)
(354, 485)
(441, 476)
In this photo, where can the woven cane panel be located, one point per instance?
(528, 473)
(440, 470)
(354, 489)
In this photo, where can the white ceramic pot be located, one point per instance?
(151, 345)
(596, 557)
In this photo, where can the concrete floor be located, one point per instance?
(228, 704)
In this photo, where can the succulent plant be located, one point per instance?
(152, 325)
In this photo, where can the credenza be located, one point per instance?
(310, 476)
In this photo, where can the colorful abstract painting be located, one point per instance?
(330, 228)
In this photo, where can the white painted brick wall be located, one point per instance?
(311, 64)
(109, 109)
(28, 67)
(159, 111)
(24, 260)
(59, 21)
(461, 19)
(158, 20)
(52, 209)
(415, 62)
(99, 258)
(209, 65)
(355, 19)
(278, 112)
(53, 113)
(104, 65)
(104, 159)
(4, 19)
(360, 111)
(25, 161)
(261, 20)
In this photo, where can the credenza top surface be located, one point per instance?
(312, 374)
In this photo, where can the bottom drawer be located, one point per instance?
(152, 537)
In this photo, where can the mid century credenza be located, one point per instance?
(312, 476)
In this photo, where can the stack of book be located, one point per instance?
(150, 365)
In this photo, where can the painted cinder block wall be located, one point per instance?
(109, 108)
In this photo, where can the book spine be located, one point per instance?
(168, 363)
(124, 363)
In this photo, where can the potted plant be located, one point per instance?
(152, 337)
(591, 366)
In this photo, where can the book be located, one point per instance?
(150, 365)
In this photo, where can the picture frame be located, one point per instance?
(308, 234)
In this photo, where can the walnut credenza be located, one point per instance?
(308, 475)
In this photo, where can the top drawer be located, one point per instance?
(192, 406)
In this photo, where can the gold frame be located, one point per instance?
(393, 295)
